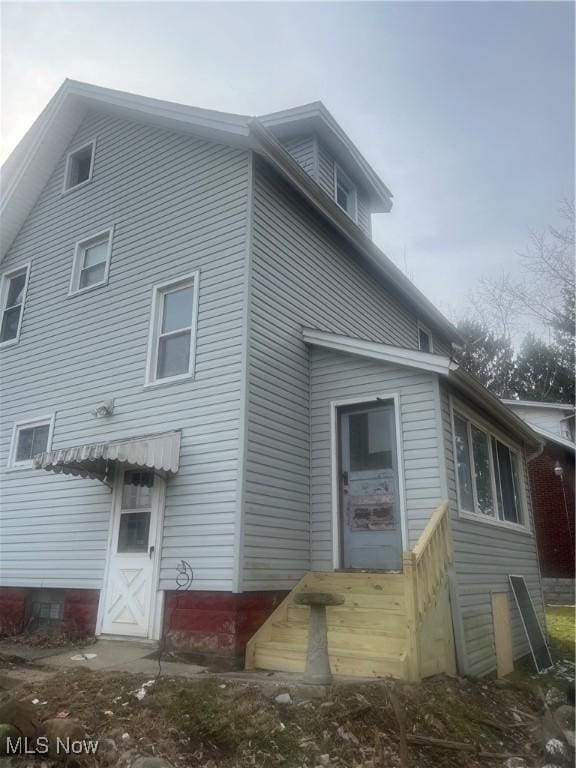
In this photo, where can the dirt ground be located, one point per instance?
(212, 722)
(215, 721)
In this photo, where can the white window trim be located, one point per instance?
(153, 333)
(338, 171)
(74, 288)
(65, 188)
(422, 327)
(15, 466)
(3, 295)
(469, 416)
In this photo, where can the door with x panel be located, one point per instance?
(129, 592)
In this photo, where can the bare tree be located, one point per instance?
(544, 292)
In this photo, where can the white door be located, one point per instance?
(129, 591)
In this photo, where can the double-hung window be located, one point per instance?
(345, 192)
(91, 262)
(424, 339)
(12, 298)
(173, 330)
(488, 474)
(30, 438)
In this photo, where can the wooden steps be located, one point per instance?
(367, 635)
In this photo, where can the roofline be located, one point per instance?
(281, 159)
(247, 132)
(437, 364)
(538, 404)
(552, 438)
(317, 109)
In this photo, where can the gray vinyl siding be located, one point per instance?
(178, 204)
(303, 150)
(336, 376)
(484, 556)
(302, 274)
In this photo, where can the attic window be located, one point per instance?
(79, 165)
(345, 192)
(424, 339)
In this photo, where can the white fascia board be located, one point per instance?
(477, 392)
(537, 404)
(385, 353)
(552, 438)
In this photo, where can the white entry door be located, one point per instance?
(128, 595)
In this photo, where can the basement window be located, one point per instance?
(46, 607)
(79, 166)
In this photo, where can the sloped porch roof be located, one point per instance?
(440, 365)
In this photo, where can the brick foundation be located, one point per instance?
(80, 611)
(214, 627)
(553, 502)
(12, 610)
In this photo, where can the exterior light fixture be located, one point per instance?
(558, 470)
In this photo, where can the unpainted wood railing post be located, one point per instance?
(412, 616)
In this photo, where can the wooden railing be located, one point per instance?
(425, 568)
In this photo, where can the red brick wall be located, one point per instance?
(80, 610)
(212, 625)
(554, 511)
(12, 610)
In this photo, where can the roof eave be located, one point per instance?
(267, 145)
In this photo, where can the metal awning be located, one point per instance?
(160, 452)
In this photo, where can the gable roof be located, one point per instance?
(550, 437)
(425, 361)
(29, 167)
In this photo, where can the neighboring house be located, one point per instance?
(216, 389)
(552, 481)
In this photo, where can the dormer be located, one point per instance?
(316, 141)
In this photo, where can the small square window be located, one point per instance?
(28, 440)
(173, 331)
(91, 262)
(79, 166)
(12, 297)
(345, 193)
(424, 339)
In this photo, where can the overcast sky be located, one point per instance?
(466, 110)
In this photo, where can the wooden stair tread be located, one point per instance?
(297, 650)
(361, 632)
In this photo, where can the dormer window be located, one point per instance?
(79, 166)
(345, 192)
(424, 339)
